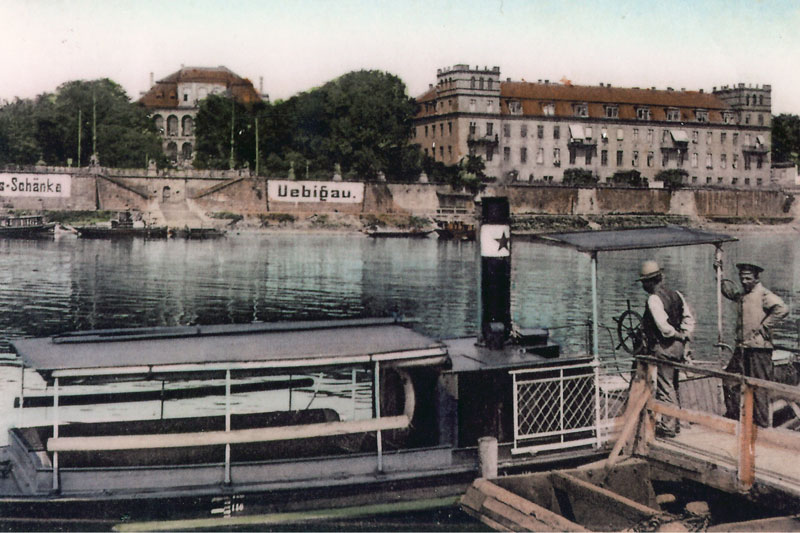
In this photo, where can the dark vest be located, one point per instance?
(673, 305)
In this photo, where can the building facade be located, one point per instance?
(533, 132)
(173, 103)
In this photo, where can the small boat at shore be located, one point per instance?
(457, 230)
(25, 226)
(123, 227)
(413, 233)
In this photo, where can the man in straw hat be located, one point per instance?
(667, 325)
(758, 310)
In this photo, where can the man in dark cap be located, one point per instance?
(667, 325)
(759, 309)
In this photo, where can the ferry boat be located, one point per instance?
(25, 226)
(458, 230)
(414, 233)
(123, 227)
(390, 415)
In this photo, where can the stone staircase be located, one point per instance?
(182, 215)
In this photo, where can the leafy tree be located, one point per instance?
(360, 121)
(673, 178)
(47, 128)
(786, 138)
(579, 177)
(631, 178)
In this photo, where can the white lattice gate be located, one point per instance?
(563, 407)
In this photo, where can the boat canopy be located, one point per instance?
(237, 347)
(634, 238)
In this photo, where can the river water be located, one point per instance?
(65, 284)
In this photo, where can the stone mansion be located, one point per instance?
(530, 132)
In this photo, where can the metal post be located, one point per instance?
(21, 395)
(747, 438)
(595, 350)
(353, 395)
(55, 433)
(718, 269)
(227, 425)
(377, 388)
(561, 402)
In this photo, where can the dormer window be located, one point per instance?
(673, 114)
(702, 115)
(515, 107)
(612, 111)
(549, 109)
(643, 113)
(580, 110)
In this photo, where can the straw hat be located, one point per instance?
(650, 270)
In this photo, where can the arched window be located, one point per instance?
(472, 83)
(158, 121)
(165, 194)
(188, 126)
(490, 83)
(481, 83)
(172, 151)
(186, 151)
(760, 99)
(172, 125)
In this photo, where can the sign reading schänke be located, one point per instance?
(315, 191)
(35, 185)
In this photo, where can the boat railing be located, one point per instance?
(568, 406)
(228, 437)
(638, 432)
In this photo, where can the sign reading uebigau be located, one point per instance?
(315, 191)
(35, 185)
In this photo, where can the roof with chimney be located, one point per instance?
(532, 98)
(164, 93)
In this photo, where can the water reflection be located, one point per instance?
(73, 284)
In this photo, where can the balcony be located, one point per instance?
(755, 148)
(477, 139)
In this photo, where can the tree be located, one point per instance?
(673, 178)
(786, 138)
(630, 178)
(579, 177)
(47, 128)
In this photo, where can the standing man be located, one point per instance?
(667, 325)
(759, 309)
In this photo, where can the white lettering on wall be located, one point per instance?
(315, 191)
(35, 185)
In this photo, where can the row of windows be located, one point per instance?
(588, 133)
(709, 180)
(679, 157)
(187, 128)
(171, 151)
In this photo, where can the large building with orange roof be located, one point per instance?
(173, 103)
(533, 132)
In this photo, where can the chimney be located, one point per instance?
(261, 85)
(151, 80)
(495, 247)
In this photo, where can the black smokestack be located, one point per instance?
(495, 246)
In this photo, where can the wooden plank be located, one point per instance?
(602, 500)
(473, 499)
(554, 520)
(213, 438)
(637, 399)
(747, 440)
(517, 520)
(715, 422)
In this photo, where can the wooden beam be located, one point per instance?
(637, 399)
(615, 507)
(718, 423)
(555, 521)
(747, 439)
(213, 438)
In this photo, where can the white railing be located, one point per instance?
(567, 406)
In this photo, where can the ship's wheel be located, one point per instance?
(629, 331)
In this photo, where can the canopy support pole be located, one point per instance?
(21, 395)
(718, 270)
(227, 425)
(55, 433)
(377, 389)
(596, 351)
